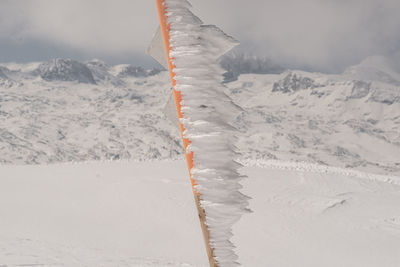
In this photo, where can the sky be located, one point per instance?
(318, 35)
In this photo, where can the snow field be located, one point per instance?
(143, 214)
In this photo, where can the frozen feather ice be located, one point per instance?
(195, 49)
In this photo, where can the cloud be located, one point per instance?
(11, 18)
(121, 27)
(95, 25)
(317, 34)
(325, 35)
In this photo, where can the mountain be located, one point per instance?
(351, 120)
(101, 73)
(5, 81)
(383, 80)
(375, 68)
(237, 63)
(126, 70)
(65, 70)
(293, 82)
(329, 119)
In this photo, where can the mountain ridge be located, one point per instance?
(335, 120)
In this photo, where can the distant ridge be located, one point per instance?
(350, 120)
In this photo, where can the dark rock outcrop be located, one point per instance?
(65, 70)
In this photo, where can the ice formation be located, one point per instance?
(208, 111)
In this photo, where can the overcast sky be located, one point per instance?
(322, 35)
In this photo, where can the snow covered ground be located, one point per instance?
(307, 141)
(143, 214)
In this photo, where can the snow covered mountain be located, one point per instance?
(236, 63)
(65, 70)
(337, 120)
(64, 110)
(5, 81)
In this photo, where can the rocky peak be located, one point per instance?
(237, 63)
(65, 70)
(101, 73)
(133, 71)
(375, 68)
(294, 82)
(360, 89)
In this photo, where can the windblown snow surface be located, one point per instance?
(142, 214)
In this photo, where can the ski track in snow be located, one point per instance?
(317, 168)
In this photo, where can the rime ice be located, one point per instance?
(208, 111)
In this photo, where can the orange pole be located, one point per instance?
(165, 29)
